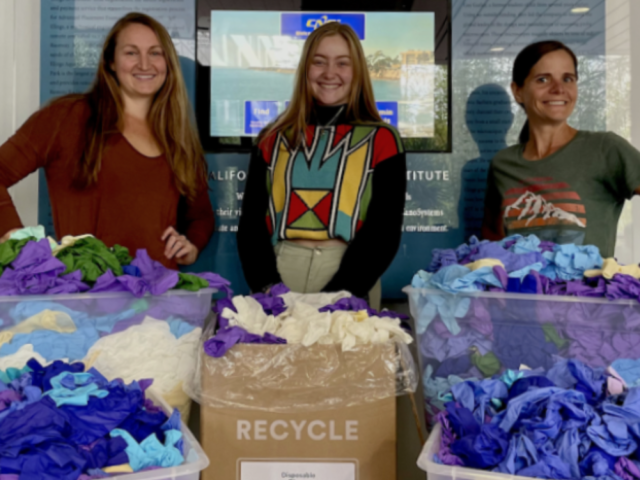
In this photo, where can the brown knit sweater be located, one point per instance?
(133, 202)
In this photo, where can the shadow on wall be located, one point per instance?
(488, 117)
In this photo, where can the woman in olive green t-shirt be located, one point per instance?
(561, 184)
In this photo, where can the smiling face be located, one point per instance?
(331, 71)
(550, 91)
(139, 62)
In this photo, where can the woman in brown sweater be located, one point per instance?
(123, 162)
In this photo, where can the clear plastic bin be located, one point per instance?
(478, 335)
(120, 335)
(436, 471)
(195, 458)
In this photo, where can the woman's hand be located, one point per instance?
(7, 235)
(179, 247)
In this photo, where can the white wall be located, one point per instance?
(20, 86)
(619, 109)
(634, 42)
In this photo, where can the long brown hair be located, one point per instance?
(170, 117)
(361, 106)
(525, 61)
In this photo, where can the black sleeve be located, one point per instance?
(376, 243)
(254, 241)
(492, 228)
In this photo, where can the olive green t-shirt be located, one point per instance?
(574, 195)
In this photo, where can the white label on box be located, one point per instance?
(297, 471)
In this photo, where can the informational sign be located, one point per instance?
(257, 115)
(300, 25)
(389, 112)
(255, 54)
(73, 31)
(297, 470)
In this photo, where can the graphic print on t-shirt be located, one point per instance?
(550, 209)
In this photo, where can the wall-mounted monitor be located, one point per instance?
(247, 60)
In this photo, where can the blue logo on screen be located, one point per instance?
(300, 25)
(389, 112)
(257, 115)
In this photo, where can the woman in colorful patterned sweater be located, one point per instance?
(324, 200)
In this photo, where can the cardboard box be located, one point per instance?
(349, 442)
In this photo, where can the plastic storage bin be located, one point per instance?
(122, 336)
(195, 460)
(478, 335)
(436, 471)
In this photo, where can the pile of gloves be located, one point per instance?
(571, 422)
(61, 422)
(282, 316)
(463, 336)
(528, 265)
(138, 334)
(31, 264)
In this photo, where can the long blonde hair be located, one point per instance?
(170, 117)
(361, 106)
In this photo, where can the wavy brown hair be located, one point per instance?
(361, 106)
(170, 117)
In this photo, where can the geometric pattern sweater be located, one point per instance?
(327, 187)
(322, 189)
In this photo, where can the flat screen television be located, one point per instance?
(247, 59)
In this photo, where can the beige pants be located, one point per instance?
(308, 270)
